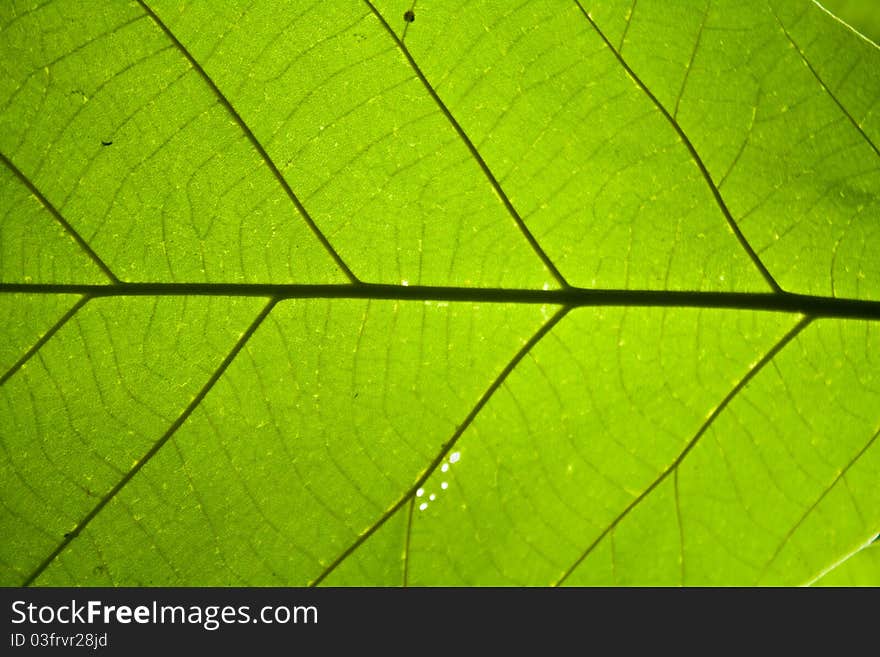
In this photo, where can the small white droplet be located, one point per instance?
(444, 467)
(432, 497)
(420, 492)
(453, 458)
(404, 282)
(546, 286)
(423, 506)
(444, 485)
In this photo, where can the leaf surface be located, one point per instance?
(519, 294)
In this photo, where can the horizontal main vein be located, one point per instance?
(574, 297)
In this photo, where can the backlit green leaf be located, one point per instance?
(512, 293)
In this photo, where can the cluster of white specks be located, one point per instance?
(453, 458)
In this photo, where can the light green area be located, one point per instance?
(861, 569)
(597, 172)
(25, 318)
(796, 172)
(778, 486)
(353, 130)
(34, 246)
(175, 438)
(308, 437)
(179, 194)
(76, 418)
(381, 561)
(579, 431)
(862, 15)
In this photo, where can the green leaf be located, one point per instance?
(547, 293)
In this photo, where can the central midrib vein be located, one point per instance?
(573, 297)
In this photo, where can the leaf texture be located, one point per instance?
(539, 293)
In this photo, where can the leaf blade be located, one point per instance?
(244, 409)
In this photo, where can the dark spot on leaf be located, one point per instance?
(68, 534)
(409, 16)
(355, 395)
(106, 143)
